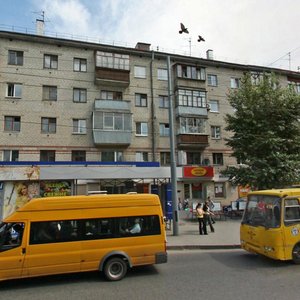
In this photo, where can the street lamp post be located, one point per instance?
(172, 150)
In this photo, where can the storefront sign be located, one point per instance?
(243, 191)
(55, 188)
(194, 172)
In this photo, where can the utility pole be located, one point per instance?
(172, 150)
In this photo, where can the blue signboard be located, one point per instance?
(169, 202)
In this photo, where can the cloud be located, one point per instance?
(247, 31)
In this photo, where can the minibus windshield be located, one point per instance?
(263, 210)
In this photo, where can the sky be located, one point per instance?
(255, 32)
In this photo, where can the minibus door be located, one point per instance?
(12, 251)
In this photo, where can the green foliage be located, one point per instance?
(265, 134)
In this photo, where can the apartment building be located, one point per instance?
(74, 110)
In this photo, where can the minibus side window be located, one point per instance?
(292, 211)
(11, 235)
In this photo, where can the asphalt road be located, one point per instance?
(192, 274)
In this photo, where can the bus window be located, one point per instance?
(292, 211)
(263, 210)
(11, 235)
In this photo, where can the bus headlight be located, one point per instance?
(268, 249)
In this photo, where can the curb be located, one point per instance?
(202, 247)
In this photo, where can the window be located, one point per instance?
(14, 90)
(111, 95)
(141, 100)
(49, 93)
(79, 95)
(79, 126)
(48, 125)
(15, 57)
(163, 101)
(79, 64)
(191, 72)
(112, 156)
(10, 155)
(112, 121)
(193, 158)
(112, 60)
(234, 83)
(141, 156)
(78, 155)
(139, 72)
(292, 211)
(192, 125)
(164, 129)
(165, 158)
(219, 190)
(214, 105)
(50, 61)
(212, 80)
(92, 229)
(294, 85)
(141, 128)
(47, 155)
(218, 158)
(12, 123)
(191, 98)
(162, 74)
(215, 132)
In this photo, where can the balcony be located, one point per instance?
(112, 123)
(188, 141)
(112, 69)
(112, 77)
(191, 111)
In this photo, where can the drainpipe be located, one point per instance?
(152, 108)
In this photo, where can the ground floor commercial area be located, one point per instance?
(20, 182)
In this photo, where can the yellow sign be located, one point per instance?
(199, 171)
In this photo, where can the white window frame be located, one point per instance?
(80, 64)
(8, 155)
(214, 106)
(141, 100)
(140, 72)
(234, 83)
(162, 74)
(218, 159)
(216, 132)
(141, 129)
(79, 126)
(14, 90)
(117, 156)
(164, 129)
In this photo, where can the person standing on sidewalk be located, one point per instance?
(200, 216)
(211, 206)
(207, 213)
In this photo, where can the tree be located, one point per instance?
(265, 137)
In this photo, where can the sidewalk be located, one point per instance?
(226, 235)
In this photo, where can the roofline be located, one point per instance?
(149, 53)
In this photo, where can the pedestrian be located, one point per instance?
(211, 208)
(207, 214)
(200, 217)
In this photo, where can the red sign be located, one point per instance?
(193, 172)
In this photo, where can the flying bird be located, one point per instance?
(183, 29)
(200, 38)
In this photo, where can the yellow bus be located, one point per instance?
(271, 224)
(109, 233)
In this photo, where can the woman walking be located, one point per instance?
(200, 216)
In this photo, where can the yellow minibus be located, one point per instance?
(271, 224)
(109, 233)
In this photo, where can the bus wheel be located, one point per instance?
(115, 269)
(296, 254)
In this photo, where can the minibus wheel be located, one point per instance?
(296, 254)
(115, 269)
